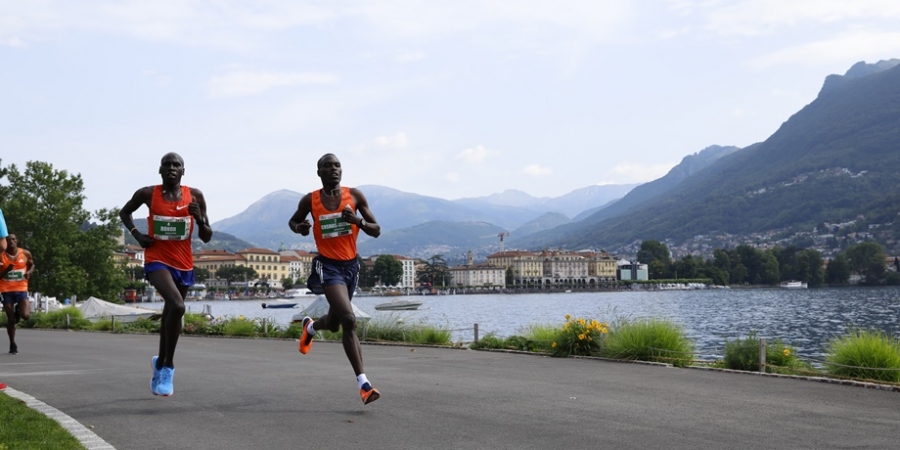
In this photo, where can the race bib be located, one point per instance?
(171, 228)
(15, 275)
(334, 225)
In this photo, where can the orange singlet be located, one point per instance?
(171, 225)
(15, 280)
(335, 237)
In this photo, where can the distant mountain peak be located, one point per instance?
(858, 70)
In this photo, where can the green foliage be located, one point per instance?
(237, 273)
(26, 428)
(395, 329)
(867, 259)
(743, 354)
(388, 270)
(72, 248)
(649, 340)
(861, 353)
(435, 272)
(541, 337)
(239, 326)
(579, 336)
(838, 270)
(57, 319)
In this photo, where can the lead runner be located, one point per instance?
(336, 268)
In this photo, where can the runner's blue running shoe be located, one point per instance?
(166, 387)
(154, 382)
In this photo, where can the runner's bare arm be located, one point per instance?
(299, 223)
(140, 198)
(362, 205)
(29, 264)
(197, 208)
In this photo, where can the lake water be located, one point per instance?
(803, 318)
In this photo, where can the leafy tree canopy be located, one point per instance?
(72, 248)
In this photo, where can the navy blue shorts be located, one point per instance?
(181, 277)
(328, 272)
(14, 297)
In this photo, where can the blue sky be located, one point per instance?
(450, 99)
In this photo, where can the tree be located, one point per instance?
(201, 274)
(436, 271)
(868, 260)
(72, 248)
(388, 270)
(237, 273)
(838, 270)
(287, 283)
(655, 251)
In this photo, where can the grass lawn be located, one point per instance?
(25, 428)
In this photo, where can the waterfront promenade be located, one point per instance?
(247, 394)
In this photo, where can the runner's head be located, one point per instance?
(329, 170)
(12, 244)
(171, 167)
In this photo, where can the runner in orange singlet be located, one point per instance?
(16, 266)
(175, 211)
(336, 269)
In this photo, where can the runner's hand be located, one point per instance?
(194, 210)
(144, 240)
(303, 227)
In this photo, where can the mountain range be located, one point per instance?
(835, 160)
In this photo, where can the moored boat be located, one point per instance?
(794, 284)
(399, 305)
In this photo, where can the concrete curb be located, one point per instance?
(87, 437)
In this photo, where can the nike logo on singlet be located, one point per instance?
(179, 208)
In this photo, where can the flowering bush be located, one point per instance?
(579, 336)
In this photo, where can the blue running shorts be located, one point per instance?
(328, 272)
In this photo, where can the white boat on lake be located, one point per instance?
(399, 305)
(794, 284)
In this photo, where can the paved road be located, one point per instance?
(248, 394)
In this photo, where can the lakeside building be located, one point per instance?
(481, 275)
(632, 271)
(299, 263)
(267, 263)
(550, 267)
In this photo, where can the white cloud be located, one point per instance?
(536, 170)
(845, 49)
(452, 177)
(251, 83)
(756, 17)
(474, 155)
(398, 141)
(410, 57)
(627, 173)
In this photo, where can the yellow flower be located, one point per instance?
(241, 317)
(581, 337)
(581, 321)
(787, 352)
(568, 317)
(553, 345)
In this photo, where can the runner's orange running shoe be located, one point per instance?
(369, 394)
(305, 338)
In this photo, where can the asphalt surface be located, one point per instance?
(249, 394)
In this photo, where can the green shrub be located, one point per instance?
(142, 325)
(859, 353)
(488, 341)
(239, 326)
(57, 319)
(579, 336)
(743, 354)
(649, 340)
(541, 337)
(294, 331)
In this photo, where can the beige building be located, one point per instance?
(478, 275)
(601, 265)
(267, 263)
(299, 263)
